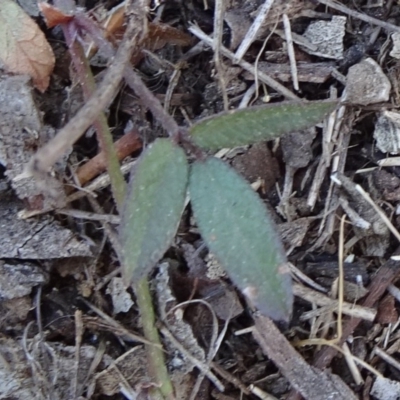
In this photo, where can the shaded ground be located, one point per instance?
(69, 327)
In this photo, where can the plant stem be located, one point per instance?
(104, 136)
(134, 81)
(156, 367)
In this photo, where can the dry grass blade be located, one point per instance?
(381, 281)
(247, 66)
(112, 325)
(290, 49)
(218, 30)
(205, 369)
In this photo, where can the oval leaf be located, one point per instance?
(255, 124)
(23, 46)
(237, 228)
(153, 207)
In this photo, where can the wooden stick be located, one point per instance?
(124, 146)
(311, 383)
(320, 299)
(364, 17)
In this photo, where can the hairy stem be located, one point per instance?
(156, 366)
(104, 136)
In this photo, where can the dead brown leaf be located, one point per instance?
(158, 34)
(53, 15)
(23, 46)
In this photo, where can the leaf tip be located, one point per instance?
(279, 310)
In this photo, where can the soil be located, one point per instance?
(70, 328)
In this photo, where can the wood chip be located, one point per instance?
(306, 72)
(21, 133)
(18, 279)
(328, 36)
(385, 389)
(366, 84)
(36, 238)
(387, 132)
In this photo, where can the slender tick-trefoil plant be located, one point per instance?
(231, 217)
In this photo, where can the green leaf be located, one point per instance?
(256, 124)
(153, 207)
(237, 228)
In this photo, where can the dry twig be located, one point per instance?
(290, 50)
(253, 30)
(245, 65)
(320, 299)
(363, 17)
(219, 12)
